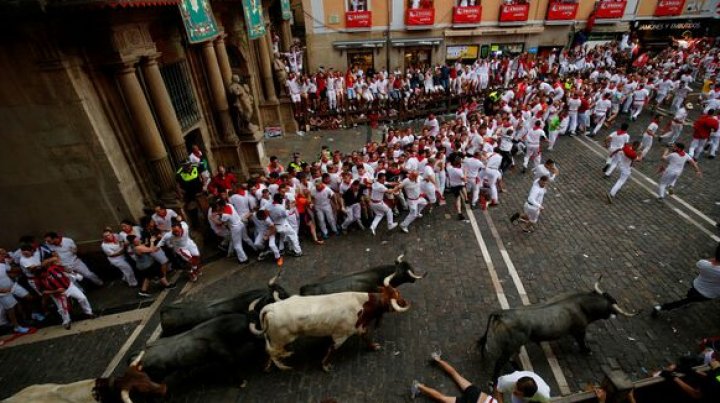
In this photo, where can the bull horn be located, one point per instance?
(597, 286)
(254, 330)
(400, 258)
(387, 280)
(616, 308)
(412, 274)
(276, 296)
(397, 307)
(137, 359)
(125, 396)
(253, 304)
(275, 278)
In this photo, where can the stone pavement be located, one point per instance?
(645, 250)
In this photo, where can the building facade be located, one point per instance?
(399, 33)
(102, 100)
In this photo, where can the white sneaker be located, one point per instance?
(372, 230)
(404, 229)
(392, 227)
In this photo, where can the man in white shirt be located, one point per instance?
(114, 249)
(432, 123)
(625, 157)
(224, 214)
(615, 141)
(522, 386)
(163, 217)
(600, 112)
(640, 97)
(676, 125)
(676, 161)
(573, 106)
(532, 206)
(378, 206)
(178, 239)
(323, 198)
(416, 203)
(473, 167)
(67, 252)
(532, 140)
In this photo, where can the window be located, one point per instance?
(418, 57)
(416, 4)
(462, 53)
(468, 3)
(362, 59)
(177, 81)
(358, 5)
(510, 49)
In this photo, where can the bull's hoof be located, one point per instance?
(327, 367)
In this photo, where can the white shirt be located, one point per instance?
(618, 140)
(540, 171)
(602, 106)
(111, 248)
(675, 162)
(472, 167)
(5, 280)
(378, 191)
(322, 198)
(506, 384)
(66, 252)
(455, 176)
(493, 161)
(175, 242)
(243, 204)
(164, 223)
(708, 280)
(533, 137)
(412, 188)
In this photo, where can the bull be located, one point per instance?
(224, 340)
(111, 389)
(567, 314)
(180, 317)
(338, 316)
(366, 281)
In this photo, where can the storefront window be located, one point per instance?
(468, 3)
(464, 53)
(361, 59)
(506, 49)
(417, 57)
(358, 5)
(417, 4)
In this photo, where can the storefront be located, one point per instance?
(360, 53)
(506, 49)
(656, 34)
(417, 51)
(466, 54)
(362, 59)
(416, 56)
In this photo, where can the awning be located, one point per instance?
(401, 42)
(611, 26)
(533, 29)
(114, 3)
(369, 44)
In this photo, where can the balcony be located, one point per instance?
(514, 12)
(467, 16)
(610, 9)
(420, 18)
(358, 20)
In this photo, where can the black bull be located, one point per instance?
(365, 281)
(224, 340)
(183, 316)
(567, 314)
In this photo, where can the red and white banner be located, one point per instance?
(420, 16)
(610, 9)
(358, 19)
(514, 12)
(559, 11)
(467, 15)
(666, 8)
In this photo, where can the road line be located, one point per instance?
(499, 292)
(681, 214)
(549, 354)
(134, 335)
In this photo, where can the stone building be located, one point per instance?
(100, 100)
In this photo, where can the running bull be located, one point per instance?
(225, 339)
(337, 316)
(366, 281)
(183, 316)
(94, 390)
(567, 314)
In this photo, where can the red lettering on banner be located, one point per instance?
(467, 15)
(562, 11)
(420, 16)
(610, 9)
(358, 19)
(666, 8)
(514, 12)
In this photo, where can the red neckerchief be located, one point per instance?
(227, 210)
(680, 153)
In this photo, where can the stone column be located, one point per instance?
(146, 129)
(217, 90)
(266, 73)
(285, 35)
(223, 60)
(164, 109)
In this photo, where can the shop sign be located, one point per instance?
(358, 19)
(562, 10)
(610, 9)
(462, 52)
(199, 20)
(514, 12)
(667, 8)
(467, 15)
(420, 16)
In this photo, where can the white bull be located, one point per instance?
(338, 316)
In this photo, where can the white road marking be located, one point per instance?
(549, 354)
(499, 292)
(651, 191)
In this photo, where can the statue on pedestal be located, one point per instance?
(244, 107)
(281, 71)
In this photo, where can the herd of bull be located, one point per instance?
(228, 330)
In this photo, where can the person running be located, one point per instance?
(456, 181)
(614, 142)
(377, 197)
(533, 205)
(627, 156)
(470, 392)
(676, 160)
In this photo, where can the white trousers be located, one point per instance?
(429, 189)
(416, 206)
(121, 264)
(696, 148)
(572, 126)
(674, 133)
(80, 267)
(532, 152)
(353, 215)
(260, 244)
(236, 237)
(325, 216)
(63, 307)
(668, 179)
(624, 175)
(714, 143)
(285, 231)
(552, 138)
(491, 176)
(381, 209)
(473, 189)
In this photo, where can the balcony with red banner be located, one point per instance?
(562, 11)
(467, 16)
(358, 20)
(669, 8)
(609, 9)
(420, 18)
(516, 11)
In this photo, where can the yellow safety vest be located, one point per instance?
(188, 176)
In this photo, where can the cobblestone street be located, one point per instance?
(644, 250)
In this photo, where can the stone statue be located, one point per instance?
(243, 105)
(280, 71)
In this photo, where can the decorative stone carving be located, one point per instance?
(243, 102)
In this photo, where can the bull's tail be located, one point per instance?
(260, 320)
(483, 340)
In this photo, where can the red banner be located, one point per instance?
(610, 9)
(467, 15)
(514, 12)
(561, 11)
(420, 16)
(666, 8)
(358, 19)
